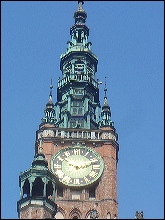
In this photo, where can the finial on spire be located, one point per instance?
(51, 87)
(80, 3)
(105, 89)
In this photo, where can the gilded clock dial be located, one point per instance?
(77, 166)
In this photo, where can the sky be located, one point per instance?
(128, 38)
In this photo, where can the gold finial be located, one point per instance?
(51, 87)
(105, 89)
(80, 3)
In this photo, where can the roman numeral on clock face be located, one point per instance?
(59, 173)
(67, 154)
(57, 166)
(86, 154)
(76, 181)
(66, 179)
(93, 160)
(76, 151)
(93, 174)
(96, 167)
(86, 179)
(60, 158)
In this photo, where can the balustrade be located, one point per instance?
(77, 77)
(77, 134)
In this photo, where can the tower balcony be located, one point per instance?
(65, 133)
(77, 78)
(78, 48)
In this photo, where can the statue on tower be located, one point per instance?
(139, 215)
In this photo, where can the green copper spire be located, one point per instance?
(49, 110)
(106, 112)
(79, 33)
(78, 103)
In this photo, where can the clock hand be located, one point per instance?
(79, 165)
(87, 163)
(69, 161)
(72, 163)
(75, 164)
(66, 159)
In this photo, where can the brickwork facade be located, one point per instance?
(35, 212)
(105, 200)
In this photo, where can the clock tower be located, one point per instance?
(77, 137)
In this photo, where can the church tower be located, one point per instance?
(77, 137)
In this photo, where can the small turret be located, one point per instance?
(106, 112)
(37, 191)
(49, 110)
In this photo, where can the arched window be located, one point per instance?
(26, 188)
(38, 187)
(75, 214)
(108, 215)
(92, 192)
(59, 191)
(49, 189)
(60, 214)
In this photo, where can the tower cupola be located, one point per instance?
(37, 190)
(80, 15)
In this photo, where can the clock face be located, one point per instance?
(77, 166)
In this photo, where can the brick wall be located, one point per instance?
(35, 212)
(106, 190)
